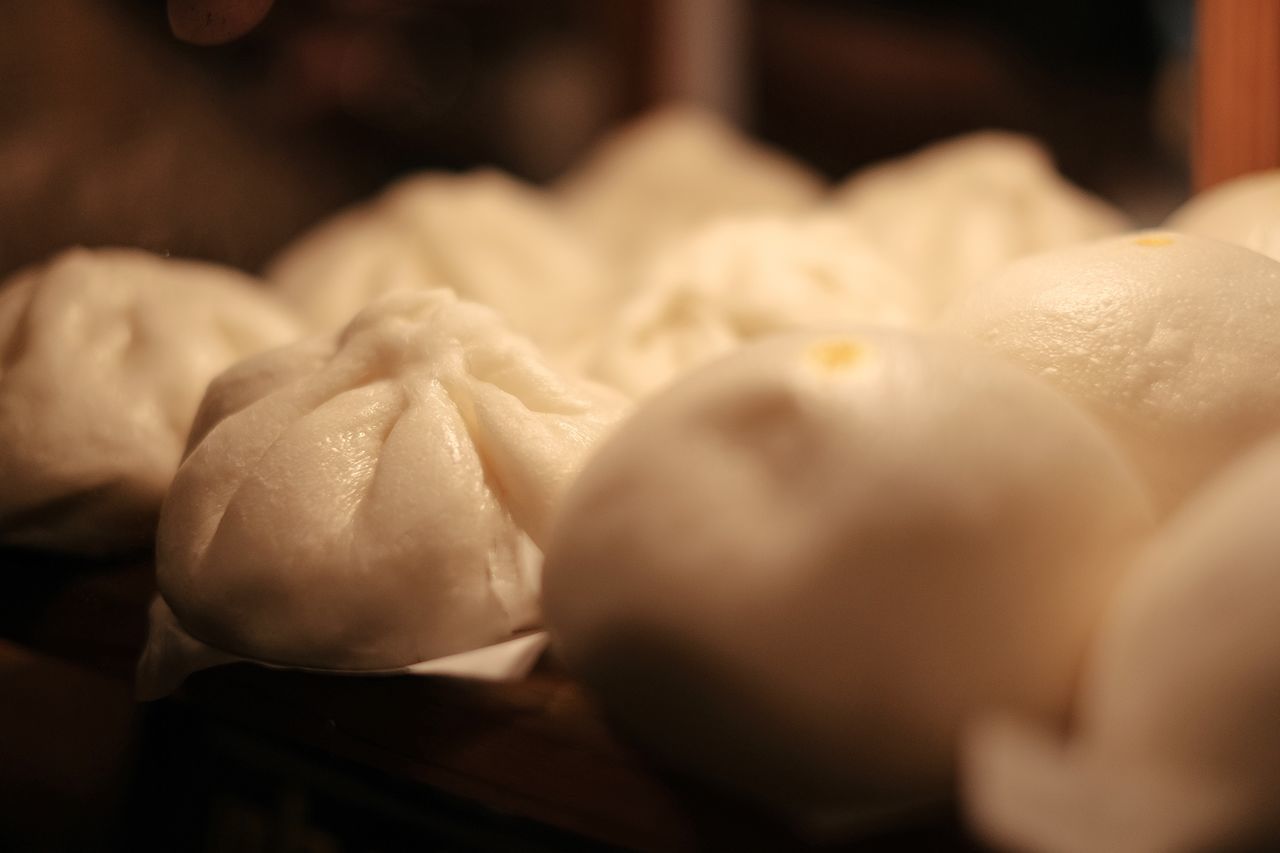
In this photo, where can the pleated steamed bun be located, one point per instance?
(1245, 211)
(374, 498)
(1176, 745)
(744, 278)
(803, 568)
(673, 170)
(105, 356)
(959, 210)
(1170, 340)
(483, 234)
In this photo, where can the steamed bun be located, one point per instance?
(1170, 340)
(741, 279)
(483, 234)
(105, 356)
(1244, 211)
(372, 499)
(959, 210)
(672, 171)
(801, 570)
(1176, 746)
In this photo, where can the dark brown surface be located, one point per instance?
(66, 740)
(92, 614)
(245, 758)
(536, 750)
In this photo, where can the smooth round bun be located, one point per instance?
(680, 167)
(1170, 340)
(959, 210)
(483, 234)
(367, 499)
(105, 355)
(803, 568)
(1176, 746)
(1244, 211)
(741, 279)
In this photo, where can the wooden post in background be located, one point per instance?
(1237, 89)
(701, 57)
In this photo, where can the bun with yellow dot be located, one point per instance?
(1170, 340)
(801, 569)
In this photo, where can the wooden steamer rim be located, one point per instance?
(1237, 89)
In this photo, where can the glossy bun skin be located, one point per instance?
(375, 498)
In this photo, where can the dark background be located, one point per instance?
(112, 131)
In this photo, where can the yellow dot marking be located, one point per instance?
(836, 355)
(1154, 241)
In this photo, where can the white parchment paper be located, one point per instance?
(171, 654)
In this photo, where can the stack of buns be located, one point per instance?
(938, 482)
